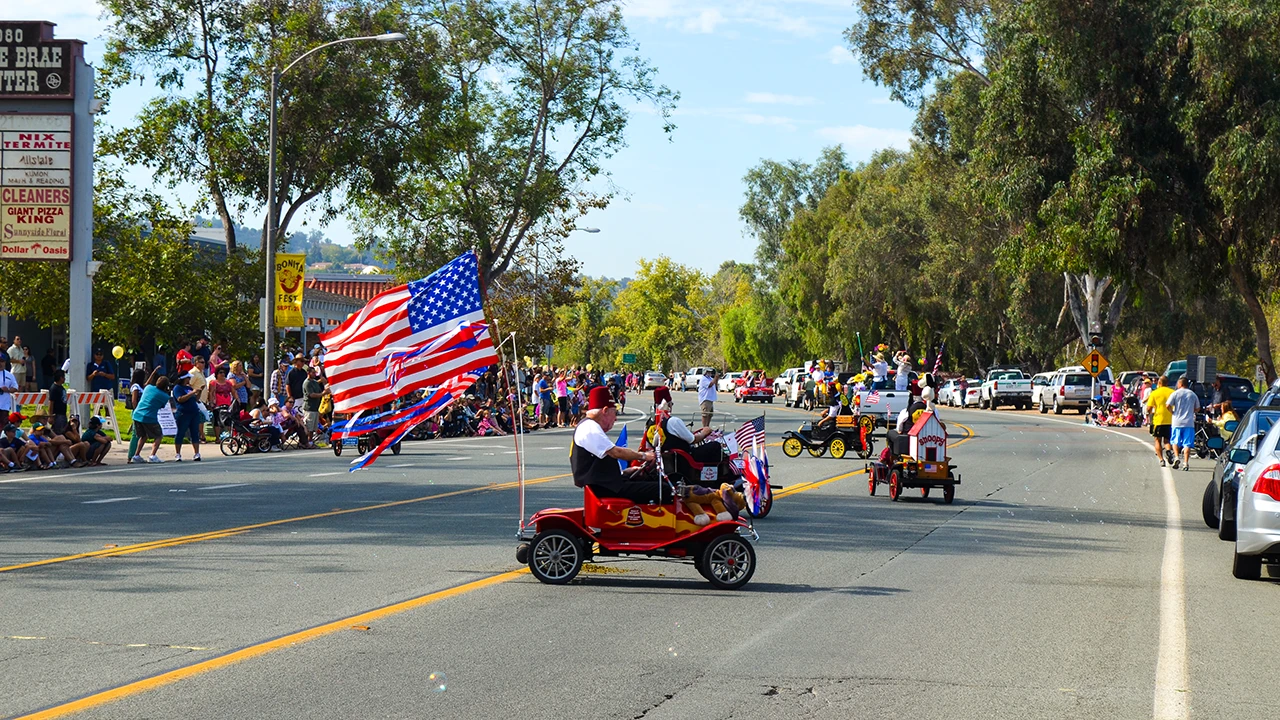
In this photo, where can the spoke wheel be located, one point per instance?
(729, 561)
(791, 447)
(818, 451)
(924, 493)
(871, 486)
(949, 494)
(263, 444)
(337, 447)
(555, 557)
(837, 448)
(230, 445)
(895, 485)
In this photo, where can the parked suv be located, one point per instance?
(1067, 390)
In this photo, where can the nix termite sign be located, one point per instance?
(35, 187)
(36, 148)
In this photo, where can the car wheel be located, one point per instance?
(729, 561)
(949, 494)
(993, 404)
(1246, 567)
(791, 447)
(895, 485)
(1208, 506)
(1226, 528)
(838, 448)
(1044, 409)
(818, 451)
(1057, 409)
(555, 557)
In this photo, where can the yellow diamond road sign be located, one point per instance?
(1094, 363)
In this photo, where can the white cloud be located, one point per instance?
(704, 23)
(761, 98)
(840, 55)
(772, 120)
(861, 139)
(708, 16)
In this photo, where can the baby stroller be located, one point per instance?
(240, 435)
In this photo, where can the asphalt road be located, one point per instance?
(1065, 582)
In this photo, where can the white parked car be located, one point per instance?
(1040, 389)
(692, 376)
(949, 394)
(654, 379)
(1257, 507)
(727, 381)
(782, 383)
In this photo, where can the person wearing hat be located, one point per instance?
(188, 416)
(879, 372)
(98, 442)
(280, 382)
(100, 373)
(594, 457)
(12, 448)
(707, 396)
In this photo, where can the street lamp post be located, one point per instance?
(269, 307)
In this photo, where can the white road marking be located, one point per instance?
(510, 452)
(344, 472)
(224, 487)
(1173, 677)
(400, 465)
(553, 447)
(24, 477)
(458, 457)
(110, 500)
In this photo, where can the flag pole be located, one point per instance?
(517, 421)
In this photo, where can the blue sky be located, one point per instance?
(758, 79)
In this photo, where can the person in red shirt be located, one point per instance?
(186, 360)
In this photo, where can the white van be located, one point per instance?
(693, 377)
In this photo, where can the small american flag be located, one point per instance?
(410, 337)
(937, 362)
(873, 398)
(750, 434)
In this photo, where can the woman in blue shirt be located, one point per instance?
(146, 420)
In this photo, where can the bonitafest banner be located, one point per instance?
(289, 277)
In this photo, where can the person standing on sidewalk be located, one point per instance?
(19, 362)
(146, 420)
(313, 391)
(1184, 404)
(1161, 418)
(8, 386)
(190, 419)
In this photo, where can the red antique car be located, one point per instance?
(753, 385)
(560, 540)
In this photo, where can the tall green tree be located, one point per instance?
(662, 315)
(537, 101)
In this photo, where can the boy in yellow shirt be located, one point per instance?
(1161, 418)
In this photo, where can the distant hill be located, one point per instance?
(319, 249)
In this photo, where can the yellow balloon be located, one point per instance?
(588, 367)
(527, 361)
(117, 352)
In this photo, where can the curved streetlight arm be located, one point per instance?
(385, 37)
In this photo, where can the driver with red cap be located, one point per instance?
(594, 457)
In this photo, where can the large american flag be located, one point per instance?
(408, 418)
(410, 337)
(750, 434)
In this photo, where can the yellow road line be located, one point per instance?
(155, 681)
(228, 532)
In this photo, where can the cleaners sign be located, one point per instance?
(35, 187)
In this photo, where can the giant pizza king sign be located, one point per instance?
(36, 148)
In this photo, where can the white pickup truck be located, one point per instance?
(1005, 386)
(782, 383)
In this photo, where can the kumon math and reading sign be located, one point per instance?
(35, 149)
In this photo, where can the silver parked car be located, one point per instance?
(1219, 503)
(1257, 507)
(1066, 390)
(654, 379)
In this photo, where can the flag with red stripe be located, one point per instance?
(410, 337)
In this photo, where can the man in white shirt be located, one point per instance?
(707, 396)
(18, 364)
(594, 457)
(879, 373)
(1184, 404)
(8, 386)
